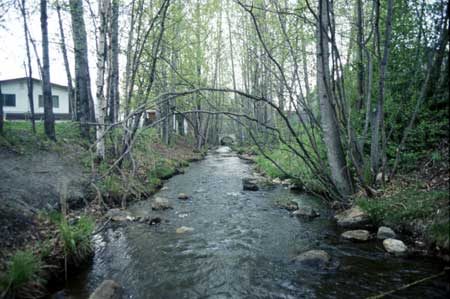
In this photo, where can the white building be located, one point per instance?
(16, 103)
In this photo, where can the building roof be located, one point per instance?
(34, 79)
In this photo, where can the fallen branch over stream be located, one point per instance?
(382, 295)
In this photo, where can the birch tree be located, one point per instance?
(103, 8)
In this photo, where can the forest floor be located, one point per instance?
(415, 203)
(38, 177)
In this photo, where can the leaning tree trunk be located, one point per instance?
(83, 96)
(329, 123)
(72, 103)
(49, 119)
(103, 6)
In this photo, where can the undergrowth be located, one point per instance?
(410, 209)
(23, 277)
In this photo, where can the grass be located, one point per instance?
(288, 161)
(411, 208)
(22, 278)
(18, 136)
(76, 239)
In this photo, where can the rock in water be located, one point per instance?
(356, 235)
(306, 212)
(120, 215)
(184, 229)
(109, 289)
(183, 196)
(160, 203)
(314, 258)
(385, 233)
(249, 184)
(291, 206)
(395, 247)
(353, 217)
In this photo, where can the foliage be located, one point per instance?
(440, 233)
(22, 278)
(409, 207)
(76, 238)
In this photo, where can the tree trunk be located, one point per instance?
(103, 7)
(360, 40)
(72, 103)
(1, 110)
(113, 80)
(329, 123)
(83, 94)
(30, 69)
(49, 119)
(378, 118)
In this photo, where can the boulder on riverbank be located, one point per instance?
(353, 217)
(314, 258)
(358, 235)
(250, 184)
(385, 232)
(395, 247)
(108, 289)
(160, 203)
(306, 212)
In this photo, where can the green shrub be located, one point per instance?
(22, 278)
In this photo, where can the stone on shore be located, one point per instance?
(184, 229)
(306, 212)
(385, 233)
(160, 203)
(250, 184)
(394, 246)
(314, 258)
(108, 289)
(353, 217)
(358, 235)
(277, 181)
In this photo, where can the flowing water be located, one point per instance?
(242, 247)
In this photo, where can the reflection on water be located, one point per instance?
(242, 247)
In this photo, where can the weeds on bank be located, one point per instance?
(412, 206)
(23, 277)
(76, 239)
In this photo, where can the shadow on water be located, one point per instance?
(242, 247)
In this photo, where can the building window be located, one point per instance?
(9, 100)
(55, 100)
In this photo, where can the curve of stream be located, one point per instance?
(242, 246)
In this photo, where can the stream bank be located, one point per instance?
(414, 204)
(39, 176)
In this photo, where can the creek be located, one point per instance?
(242, 246)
